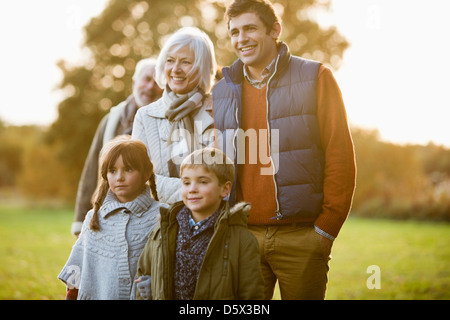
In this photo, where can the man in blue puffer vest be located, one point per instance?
(283, 121)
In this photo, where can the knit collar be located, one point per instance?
(137, 206)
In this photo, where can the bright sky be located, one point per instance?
(395, 75)
(35, 35)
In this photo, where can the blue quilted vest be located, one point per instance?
(296, 149)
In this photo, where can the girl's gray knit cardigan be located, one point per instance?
(102, 264)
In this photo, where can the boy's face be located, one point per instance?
(254, 44)
(202, 192)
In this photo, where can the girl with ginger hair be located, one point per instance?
(103, 261)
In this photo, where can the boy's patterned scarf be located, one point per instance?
(190, 251)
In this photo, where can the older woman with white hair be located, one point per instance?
(180, 121)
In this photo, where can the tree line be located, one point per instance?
(393, 181)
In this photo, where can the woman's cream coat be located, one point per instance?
(152, 127)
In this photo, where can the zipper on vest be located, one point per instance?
(236, 117)
(278, 216)
(236, 133)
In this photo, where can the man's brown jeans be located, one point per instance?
(293, 255)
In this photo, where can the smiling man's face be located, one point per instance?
(254, 44)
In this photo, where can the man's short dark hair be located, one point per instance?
(262, 8)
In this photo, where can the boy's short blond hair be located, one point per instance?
(212, 160)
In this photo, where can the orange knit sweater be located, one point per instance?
(340, 167)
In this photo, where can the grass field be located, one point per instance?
(413, 257)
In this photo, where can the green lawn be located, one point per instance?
(413, 257)
(34, 245)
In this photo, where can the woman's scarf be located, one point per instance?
(180, 113)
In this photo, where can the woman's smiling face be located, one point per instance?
(178, 67)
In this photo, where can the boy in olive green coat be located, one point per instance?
(202, 249)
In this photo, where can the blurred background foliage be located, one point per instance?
(46, 163)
